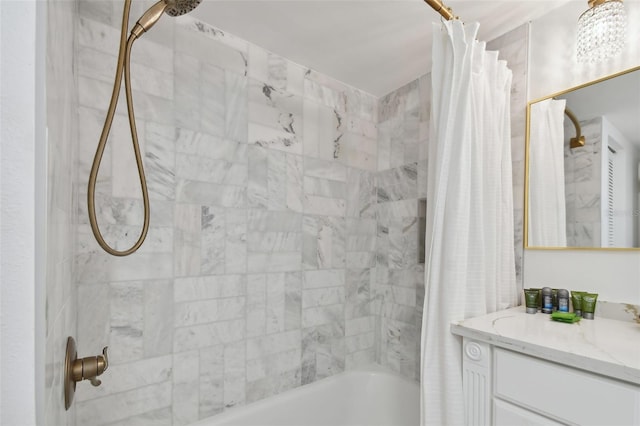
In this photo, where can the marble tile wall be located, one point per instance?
(400, 183)
(257, 273)
(403, 120)
(583, 170)
(62, 127)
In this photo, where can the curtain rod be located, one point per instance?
(443, 10)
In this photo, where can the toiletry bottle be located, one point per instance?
(563, 300)
(547, 301)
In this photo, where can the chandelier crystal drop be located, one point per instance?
(602, 30)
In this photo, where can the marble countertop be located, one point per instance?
(604, 346)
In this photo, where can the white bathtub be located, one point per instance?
(371, 397)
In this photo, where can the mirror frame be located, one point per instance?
(526, 168)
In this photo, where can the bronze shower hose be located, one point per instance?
(124, 62)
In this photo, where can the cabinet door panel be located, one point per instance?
(507, 414)
(564, 393)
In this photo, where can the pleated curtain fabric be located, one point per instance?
(470, 265)
(547, 225)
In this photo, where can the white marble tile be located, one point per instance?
(294, 183)
(94, 315)
(207, 311)
(92, 93)
(275, 309)
(210, 49)
(359, 342)
(360, 359)
(234, 374)
(126, 340)
(236, 241)
(160, 160)
(360, 325)
(324, 206)
(295, 78)
(124, 171)
(203, 169)
(211, 381)
(208, 287)
(259, 347)
(160, 417)
(257, 188)
(274, 241)
(276, 180)
(272, 365)
(270, 137)
(126, 404)
(325, 169)
(320, 124)
(206, 335)
(274, 221)
(361, 194)
(315, 316)
(325, 187)
(274, 262)
(126, 377)
(212, 241)
(204, 193)
(105, 38)
(191, 23)
(158, 327)
(323, 278)
(97, 10)
(322, 297)
(186, 397)
(187, 91)
(187, 241)
(269, 386)
(237, 107)
(211, 95)
(292, 300)
(256, 305)
(101, 66)
(324, 95)
(210, 146)
(258, 63)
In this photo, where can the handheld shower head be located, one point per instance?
(154, 13)
(180, 7)
(146, 21)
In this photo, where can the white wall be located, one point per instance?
(21, 125)
(615, 275)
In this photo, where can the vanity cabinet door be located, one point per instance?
(563, 393)
(506, 414)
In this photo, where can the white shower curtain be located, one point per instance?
(547, 206)
(470, 266)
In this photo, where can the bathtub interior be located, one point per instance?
(368, 397)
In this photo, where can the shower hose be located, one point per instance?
(124, 62)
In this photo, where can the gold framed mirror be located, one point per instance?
(582, 167)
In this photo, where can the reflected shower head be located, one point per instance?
(180, 7)
(153, 14)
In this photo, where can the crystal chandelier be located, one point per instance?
(602, 30)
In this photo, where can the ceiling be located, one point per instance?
(373, 45)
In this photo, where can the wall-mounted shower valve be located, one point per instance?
(76, 370)
(89, 368)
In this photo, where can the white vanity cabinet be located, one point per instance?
(521, 369)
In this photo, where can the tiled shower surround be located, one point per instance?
(256, 276)
(284, 232)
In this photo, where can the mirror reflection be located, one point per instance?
(583, 183)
